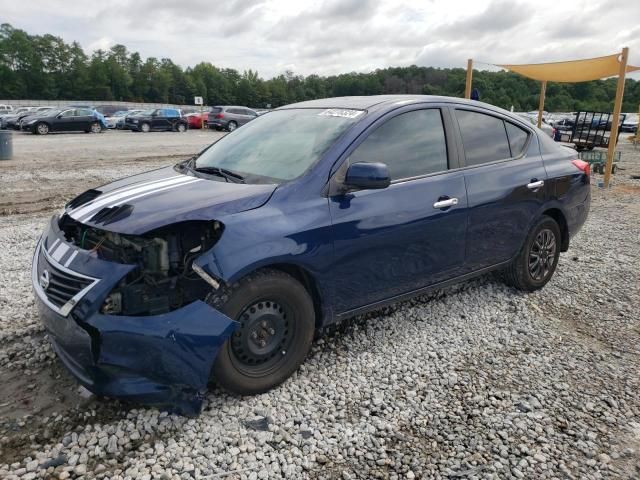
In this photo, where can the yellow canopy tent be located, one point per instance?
(571, 72)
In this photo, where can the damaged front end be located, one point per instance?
(126, 314)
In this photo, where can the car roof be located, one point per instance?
(381, 101)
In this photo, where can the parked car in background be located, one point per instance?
(112, 120)
(229, 117)
(15, 121)
(545, 127)
(12, 115)
(223, 266)
(63, 120)
(630, 123)
(109, 110)
(196, 120)
(157, 120)
(120, 121)
(5, 109)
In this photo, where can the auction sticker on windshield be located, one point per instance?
(341, 112)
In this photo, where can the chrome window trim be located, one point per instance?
(67, 307)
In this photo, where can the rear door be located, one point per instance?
(402, 238)
(83, 119)
(504, 176)
(160, 120)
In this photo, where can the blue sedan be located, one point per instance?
(221, 267)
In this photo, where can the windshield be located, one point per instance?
(280, 145)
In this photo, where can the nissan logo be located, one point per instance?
(44, 280)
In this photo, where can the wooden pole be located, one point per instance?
(467, 88)
(617, 106)
(543, 90)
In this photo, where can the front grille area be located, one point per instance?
(63, 286)
(58, 286)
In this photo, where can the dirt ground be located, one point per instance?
(49, 170)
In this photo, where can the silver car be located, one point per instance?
(229, 117)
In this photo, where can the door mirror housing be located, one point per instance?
(367, 176)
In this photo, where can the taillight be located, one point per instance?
(219, 115)
(582, 165)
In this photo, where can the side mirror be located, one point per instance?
(367, 176)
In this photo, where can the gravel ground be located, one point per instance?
(476, 381)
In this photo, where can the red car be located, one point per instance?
(196, 119)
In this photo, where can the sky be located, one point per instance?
(327, 37)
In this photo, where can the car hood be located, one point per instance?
(138, 204)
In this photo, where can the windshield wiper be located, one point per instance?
(228, 175)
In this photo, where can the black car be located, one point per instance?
(63, 120)
(157, 119)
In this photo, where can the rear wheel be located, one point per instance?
(42, 129)
(145, 127)
(96, 128)
(231, 126)
(277, 322)
(536, 262)
(181, 128)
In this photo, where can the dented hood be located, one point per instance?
(138, 204)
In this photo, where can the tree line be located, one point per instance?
(45, 67)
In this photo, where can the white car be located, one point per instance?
(545, 127)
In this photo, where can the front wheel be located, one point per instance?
(181, 128)
(231, 126)
(96, 128)
(277, 322)
(536, 262)
(145, 127)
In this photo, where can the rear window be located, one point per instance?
(216, 110)
(483, 136)
(517, 138)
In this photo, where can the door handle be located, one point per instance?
(449, 202)
(535, 185)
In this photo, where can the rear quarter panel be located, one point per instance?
(569, 188)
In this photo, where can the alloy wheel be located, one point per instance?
(43, 129)
(542, 254)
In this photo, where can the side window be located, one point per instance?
(172, 113)
(517, 138)
(483, 136)
(68, 113)
(84, 113)
(410, 144)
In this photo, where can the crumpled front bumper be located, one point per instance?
(161, 360)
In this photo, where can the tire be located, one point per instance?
(542, 241)
(95, 128)
(144, 127)
(276, 315)
(181, 127)
(231, 126)
(41, 129)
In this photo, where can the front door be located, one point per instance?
(505, 180)
(411, 234)
(64, 121)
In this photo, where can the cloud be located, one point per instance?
(500, 16)
(329, 37)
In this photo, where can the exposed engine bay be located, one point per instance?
(164, 279)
